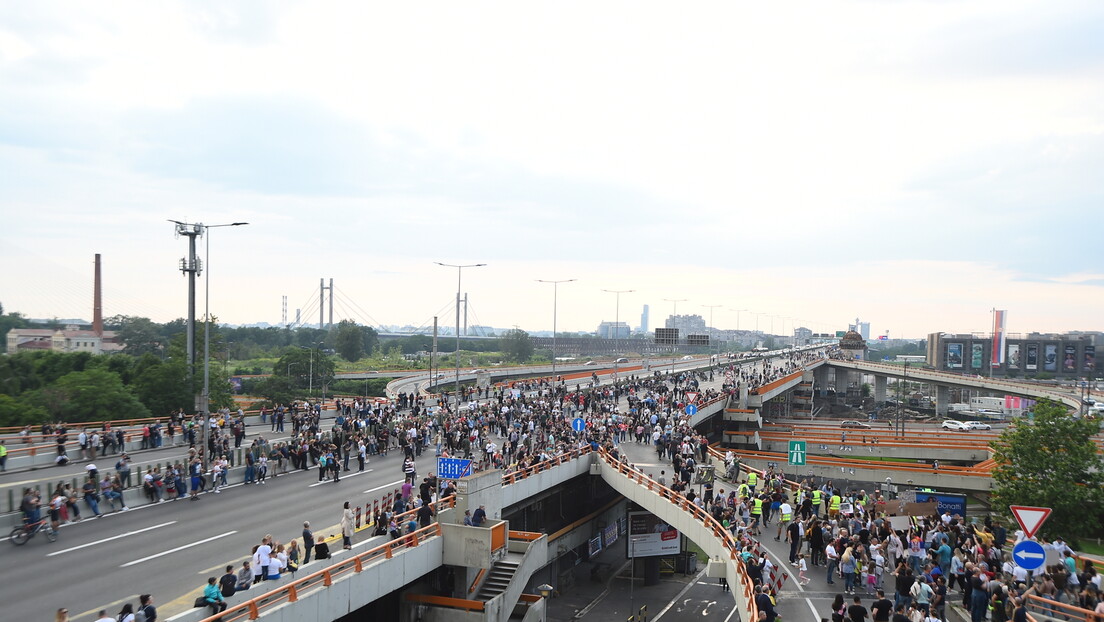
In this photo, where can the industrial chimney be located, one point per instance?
(97, 302)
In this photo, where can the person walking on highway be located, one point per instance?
(347, 527)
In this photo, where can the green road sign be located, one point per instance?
(797, 453)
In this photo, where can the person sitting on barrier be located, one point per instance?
(245, 577)
(213, 596)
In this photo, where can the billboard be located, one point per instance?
(1032, 358)
(609, 535)
(1013, 356)
(976, 355)
(649, 536)
(1069, 361)
(954, 355)
(996, 355)
(1090, 358)
(1050, 357)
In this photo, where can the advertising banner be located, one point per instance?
(1090, 358)
(609, 535)
(956, 504)
(1013, 356)
(954, 355)
(1032, 359)
(649, 536)
(1069, 362)
(1050, 357)
(976, 354)
(594, 546)
(996, 354)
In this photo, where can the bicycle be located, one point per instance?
(20, 535)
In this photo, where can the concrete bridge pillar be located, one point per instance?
(843, 379)
(880, 383)
(942, 399)
(743, 389)
(820, 380)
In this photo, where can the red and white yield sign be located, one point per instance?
(691, 397)
(1030, 518)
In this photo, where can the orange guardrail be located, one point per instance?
(478, 576)
(498, 537)
(528, 536)
(770, 386)
(730, 543)
(446, 601)
(510, 478)
(1052, 609)
(866, 464)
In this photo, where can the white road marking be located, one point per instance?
(346, 477)
(122, 535)
(384, 486)
(179, 548)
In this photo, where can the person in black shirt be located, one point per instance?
(308, 542)
(882, 608)
(899, 614)
(857, 612)
(228, 582)
(764, 605)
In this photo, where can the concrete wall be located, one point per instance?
(523, 489)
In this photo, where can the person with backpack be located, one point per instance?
(146, 611)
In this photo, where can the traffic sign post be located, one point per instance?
(691, 410)
(578, 424)
(1028, 554)
(797, 453)
(1030, 518)
(691, 397)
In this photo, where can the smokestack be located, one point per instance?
(97, 302)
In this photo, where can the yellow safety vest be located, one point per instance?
(752, 478)
(786, 517)
(744, 490)
(834, 503)
(758, 509)
(816, 497)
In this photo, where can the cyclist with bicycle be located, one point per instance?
(31, 502)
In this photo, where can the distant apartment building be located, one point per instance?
(644, 320)
(687, 324)
(614, 330)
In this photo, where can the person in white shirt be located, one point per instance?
(104, 617)
(264, 556)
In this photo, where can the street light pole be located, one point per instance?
(616, 317)
(459, 271)
(674, 316)
(738, 312)
(206, 397)
(555, 304)
(711, 329)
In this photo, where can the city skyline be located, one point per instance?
(915, 164)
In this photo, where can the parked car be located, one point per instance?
(979, 425)
(954, 424)
(854, 424)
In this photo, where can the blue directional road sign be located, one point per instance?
(1028, 554)
(578, 424)
(453, 468)
(691, 410)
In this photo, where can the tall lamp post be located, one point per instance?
(738, 312)
(182, 228)
(674, 315)
(555, 303)
(616, 316)
(459, 272)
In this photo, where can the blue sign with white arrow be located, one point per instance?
(578, 424)
(1028, 554)
(691, 410)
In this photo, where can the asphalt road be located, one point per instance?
(170, 549)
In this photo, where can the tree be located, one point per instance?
(294, 370)
(163, 386)
(91, 395)
(1052, 462)
(140, 335)
(348, 340)
(516, 345)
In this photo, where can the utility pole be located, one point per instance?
(555, 294)
(617, 317)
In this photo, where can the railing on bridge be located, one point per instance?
(1041, 609)
(728, 541)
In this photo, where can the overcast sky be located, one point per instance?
(913, 163)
